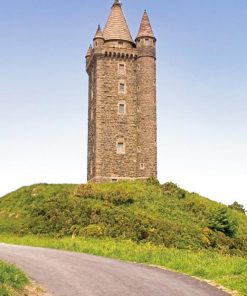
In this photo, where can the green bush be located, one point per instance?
(220, 220)
(153, 181)
(86, 191)
(174, 190)
(92, 230)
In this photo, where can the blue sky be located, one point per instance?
(202, 91)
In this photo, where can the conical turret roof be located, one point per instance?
(116, 27)
(145, 27)
(99, 33)
(89, 51)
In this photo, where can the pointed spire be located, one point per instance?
(98, 33)
(116, 2)
(116, 27)
(145, 27)
(89, 52)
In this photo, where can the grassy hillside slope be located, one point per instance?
(163, 215)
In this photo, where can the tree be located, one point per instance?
(238, 207)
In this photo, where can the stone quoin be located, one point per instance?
(122, 125)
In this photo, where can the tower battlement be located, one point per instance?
(122, 101)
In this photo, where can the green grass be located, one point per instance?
(229, 271)
(137, 221)
(12, 280)
(140, 211)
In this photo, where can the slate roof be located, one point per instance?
(99, 33)
(145, 27)
(116, 27)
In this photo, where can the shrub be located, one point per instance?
(92, 230)
(118, 198)
(85, 191)
(195, 207)
(174, 190)
(220, 220)
(153, 181)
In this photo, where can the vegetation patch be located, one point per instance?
(164, 215)
(140, 221)
(12, 280)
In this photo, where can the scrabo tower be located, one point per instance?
(122, 101)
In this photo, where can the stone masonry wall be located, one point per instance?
(147, 130)
(136, 128)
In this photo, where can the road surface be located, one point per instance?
(74, 274)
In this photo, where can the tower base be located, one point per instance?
(114, 179)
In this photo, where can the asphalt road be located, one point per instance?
(74, 274)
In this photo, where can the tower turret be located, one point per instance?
(145, 40)
(146, 96)
(89, 53)
(98, 38)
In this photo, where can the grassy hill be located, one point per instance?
(163, 215)
(136, 221)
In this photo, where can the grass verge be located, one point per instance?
(12, 280)
(228, 271)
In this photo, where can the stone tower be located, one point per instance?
(122, 101)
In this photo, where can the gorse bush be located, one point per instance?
(174, 190)
(141, 211)
(116, 197)
(221, 220)
(153, 181)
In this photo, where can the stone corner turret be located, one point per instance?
(145, 40)
(99, 39)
